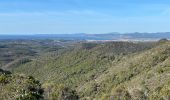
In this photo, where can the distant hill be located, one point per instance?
(106, 36)
(14, 52)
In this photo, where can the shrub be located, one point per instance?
(59, 92)
(68, 94)
(31, 90)
(161, 93)
(138, 95)
(160, 70)
(120, 93)
(3, 79)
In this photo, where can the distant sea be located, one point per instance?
(93, 37)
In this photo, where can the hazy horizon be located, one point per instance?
(81, 33)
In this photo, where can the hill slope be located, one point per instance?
(144, 75)
(85, 61)
(103, 71)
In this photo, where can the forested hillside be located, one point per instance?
(96, 71)
(15, 52)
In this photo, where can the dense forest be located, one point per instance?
(83, 70)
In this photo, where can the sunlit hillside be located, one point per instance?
(103, 71)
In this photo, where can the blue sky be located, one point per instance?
(83, 16)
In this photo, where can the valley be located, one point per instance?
(83, 70)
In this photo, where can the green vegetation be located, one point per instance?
(16, 52)
(54, 91)
(92, 71)
(19, 87)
